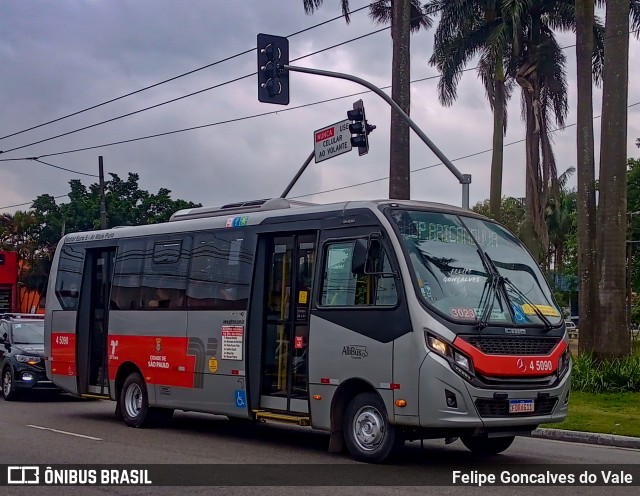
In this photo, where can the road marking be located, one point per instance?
(63, 432)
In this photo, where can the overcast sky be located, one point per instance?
(60, 57)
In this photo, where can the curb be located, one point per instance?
(588, 438)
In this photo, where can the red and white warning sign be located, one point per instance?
(232, 341)
(332, 141)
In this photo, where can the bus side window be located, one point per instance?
(341, 287)
(69, 276)
(220, 273)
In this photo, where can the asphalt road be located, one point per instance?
(59, 429)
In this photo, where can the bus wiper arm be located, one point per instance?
(494, 280)
(547, 323)
(488, 305)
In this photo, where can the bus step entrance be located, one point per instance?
(281, 417)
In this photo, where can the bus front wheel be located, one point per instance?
(487, 445)
(134, 401)
(367, 432)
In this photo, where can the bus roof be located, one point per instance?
(253, 213)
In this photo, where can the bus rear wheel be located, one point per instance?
(134, 401)
(367, 432)
(487, 445)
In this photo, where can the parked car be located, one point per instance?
(22, 354)
(571, 327)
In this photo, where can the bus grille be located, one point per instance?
(500, 408)
(513, 346)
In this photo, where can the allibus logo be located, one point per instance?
(355, 351)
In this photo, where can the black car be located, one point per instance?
(22, 354)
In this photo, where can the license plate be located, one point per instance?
(521, 406)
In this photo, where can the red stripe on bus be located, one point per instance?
(161, 359)
(63, 353)
(512, 365)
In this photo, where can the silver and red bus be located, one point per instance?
(377, 321)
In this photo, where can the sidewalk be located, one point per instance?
(588, 438)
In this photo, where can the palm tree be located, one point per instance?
(590, 288)
(559, 218)
(515, 42)
(467, 29)
(587, 284)
(405, 16)
(613, 340)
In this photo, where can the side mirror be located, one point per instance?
(359, 259)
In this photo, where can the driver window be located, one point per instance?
(341, 287)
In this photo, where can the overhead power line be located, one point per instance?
(229, 120)
(226, 59)
(188, 95)
(440, 163)
(63, 168)
(29, 203)
(381, 178)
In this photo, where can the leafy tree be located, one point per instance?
(561, 220)
(35, 234)
(512, 213)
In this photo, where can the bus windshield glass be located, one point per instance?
(471, 269)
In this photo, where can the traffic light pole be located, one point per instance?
(297, 176)
(465, 179)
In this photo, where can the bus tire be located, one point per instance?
(134, 401)
(368, 435)
(487, 445)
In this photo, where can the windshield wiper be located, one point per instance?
(547, 323)
(494, 280)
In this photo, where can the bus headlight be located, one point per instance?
(563, 363)
(438, 345)
(462, 360)
(458, 361)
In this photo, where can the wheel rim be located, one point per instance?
(6, 384)
(369, 428)
(133, 400)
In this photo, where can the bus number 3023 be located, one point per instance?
(62, 340)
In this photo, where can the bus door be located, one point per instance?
(290, 263)
(93, 316)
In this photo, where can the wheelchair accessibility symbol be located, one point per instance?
(241, 399)
(518, 315)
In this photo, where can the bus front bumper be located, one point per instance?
(448, 401)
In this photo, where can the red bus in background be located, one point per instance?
(8, 281)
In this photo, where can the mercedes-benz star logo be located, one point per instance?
(521, 366)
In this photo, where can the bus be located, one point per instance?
(379, 322)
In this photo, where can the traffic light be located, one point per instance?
(359, 128)
(273, 77)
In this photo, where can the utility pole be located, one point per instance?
(103, 208)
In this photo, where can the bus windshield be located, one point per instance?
(474, 270)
